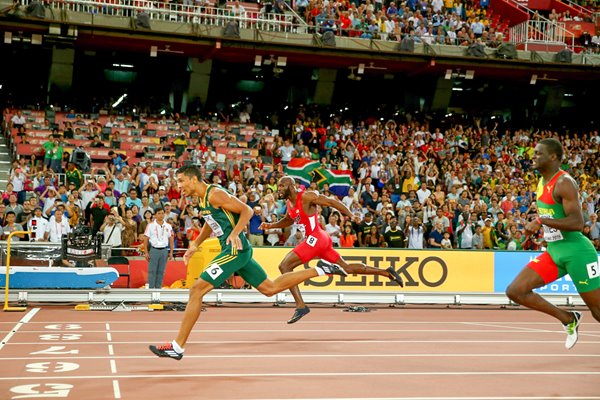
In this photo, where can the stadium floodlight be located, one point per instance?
(119, 101)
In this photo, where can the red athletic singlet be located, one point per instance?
(317, 243)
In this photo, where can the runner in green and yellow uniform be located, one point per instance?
(226, 217)
(569, 252)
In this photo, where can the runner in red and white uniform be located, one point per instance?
(302, 209)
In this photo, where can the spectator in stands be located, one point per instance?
(112, 229)
(37, 225)
(414, 232)
(18, 120)
(133, 199)
(255, 234)
(10, 226)
(74, 175)
(14, 206)
(57, 227)
(98, 212)
(17, 179)
(117, 162)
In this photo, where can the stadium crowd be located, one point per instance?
(416, 184)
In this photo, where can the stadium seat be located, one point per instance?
(121, 264)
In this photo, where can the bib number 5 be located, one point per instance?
(593, 270)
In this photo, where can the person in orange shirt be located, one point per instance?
(348, 238)
(194, 231)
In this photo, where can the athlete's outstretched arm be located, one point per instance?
(324, 201)
(204, 234)
(282, 223)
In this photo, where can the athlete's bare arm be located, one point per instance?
(567, 193)
(282, 223)
(311, 197)
(219, 198)
(204, 234)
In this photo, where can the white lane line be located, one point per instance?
(447, 398)
(290, 330)
(111, 351)
(116, 389)
(312, 356)
(357, 341)
(311, 375)
(18, 326)
(107, 327)
(519, 329)
(113, 366)
(109, 336)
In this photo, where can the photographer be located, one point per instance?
(112, 229)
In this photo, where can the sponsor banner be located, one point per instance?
(508, 264)
(422, 271)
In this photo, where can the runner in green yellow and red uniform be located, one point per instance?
(226, 217)
(569, 252)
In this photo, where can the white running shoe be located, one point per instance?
(572, 329)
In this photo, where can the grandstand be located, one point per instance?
(422, 117)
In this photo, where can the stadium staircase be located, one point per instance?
(5, 161)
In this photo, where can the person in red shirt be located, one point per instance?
(302, 209)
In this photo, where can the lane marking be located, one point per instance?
(357, 341)
(18, 326)
(333, 355)
(445, 398)
(116, 389)
(111, 351)
(113, 366)
(109, 336)
(108, 327)
(313, 374)
(514, 330)
(318, 322)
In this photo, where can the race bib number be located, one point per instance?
(311, 241)
(552, 234)
(214, 225)
(593, 270)
(214, 271)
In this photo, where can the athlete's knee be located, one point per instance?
(285, 267)
(514, 292)
(198, 291)
(267, 288)
(268, 291)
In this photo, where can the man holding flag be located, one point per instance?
(302, 208)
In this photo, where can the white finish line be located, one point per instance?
(18, 326)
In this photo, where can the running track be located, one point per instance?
(250, 353)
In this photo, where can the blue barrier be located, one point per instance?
(507, 264)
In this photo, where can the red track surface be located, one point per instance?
(251, 353)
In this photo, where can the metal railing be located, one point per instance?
(159, 11)
(541, 32)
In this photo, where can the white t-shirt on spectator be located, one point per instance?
(114, 238)
(56, 230)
